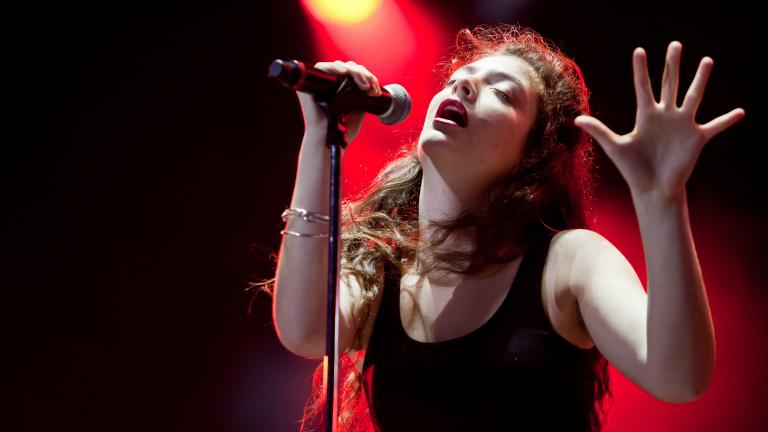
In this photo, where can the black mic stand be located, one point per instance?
(337, 97)
(336, 141)
(336, 104)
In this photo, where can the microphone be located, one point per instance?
(392, 107)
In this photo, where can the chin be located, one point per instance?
(432, 140)
(435, 154)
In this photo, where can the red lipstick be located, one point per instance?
(453, 111)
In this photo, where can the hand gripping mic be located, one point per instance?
(392, 107)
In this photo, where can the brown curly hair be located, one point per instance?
(549, 190)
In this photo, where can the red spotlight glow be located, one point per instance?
(400, 43)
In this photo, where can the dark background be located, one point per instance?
(146, 160)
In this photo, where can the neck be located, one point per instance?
(442, 199)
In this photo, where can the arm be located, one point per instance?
(681, 338)
(663, 341)
(299, 303)
(668, 346)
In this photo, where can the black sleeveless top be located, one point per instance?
(514, 373)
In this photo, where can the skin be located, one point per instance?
(464, 162)
(663, 339)
(460, 164)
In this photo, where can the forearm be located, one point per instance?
(680, 335)
(300, 297)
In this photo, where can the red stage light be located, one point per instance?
(400, 43)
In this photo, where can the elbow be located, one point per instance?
(683, 394)
(680, 397)
(302, 347)
(686, 383)
(298, 342)
(293, 334)
(698, 390)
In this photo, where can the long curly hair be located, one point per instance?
(549, 190)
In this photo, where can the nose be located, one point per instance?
(465, 87)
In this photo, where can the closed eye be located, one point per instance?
(504, 96)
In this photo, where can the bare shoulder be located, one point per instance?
(560, 302)
(582, 248)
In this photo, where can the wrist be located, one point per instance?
(316, 132)
(654, 209)
(313, 151)
(659, 196)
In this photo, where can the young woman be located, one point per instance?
(473, 294)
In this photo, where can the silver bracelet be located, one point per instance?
(296, 234)
(307, 215)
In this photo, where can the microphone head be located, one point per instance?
(276, 68)
(288, 73)
(400, 106)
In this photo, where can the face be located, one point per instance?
(500, 102)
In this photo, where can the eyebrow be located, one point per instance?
(504, 75)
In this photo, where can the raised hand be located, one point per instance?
(659, 154)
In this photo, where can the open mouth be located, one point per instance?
(452, 112)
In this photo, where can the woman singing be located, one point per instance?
(473, 294)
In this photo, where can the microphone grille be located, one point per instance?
(400, 107)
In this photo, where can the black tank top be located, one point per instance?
(514, 373)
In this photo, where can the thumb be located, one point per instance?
(354, 122)
(597, 130)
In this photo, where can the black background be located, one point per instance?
(146, 160)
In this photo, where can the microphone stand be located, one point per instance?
(335, 104)
(343, 99)
(336, 141)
